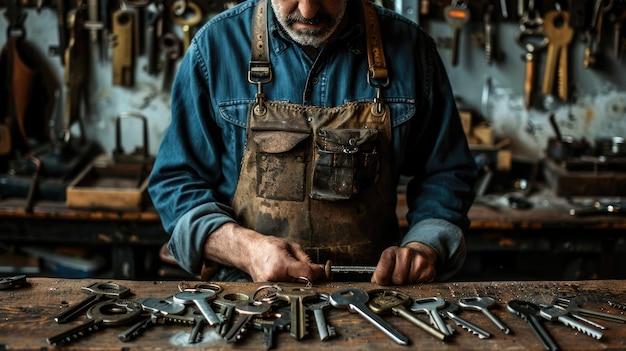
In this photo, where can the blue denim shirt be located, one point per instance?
(197, 166)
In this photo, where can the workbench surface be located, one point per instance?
(26, 318)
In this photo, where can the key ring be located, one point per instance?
(185, 286)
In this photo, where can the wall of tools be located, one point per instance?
(524, 66)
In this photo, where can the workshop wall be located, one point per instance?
(596, 106)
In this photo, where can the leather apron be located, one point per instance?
(319, 176)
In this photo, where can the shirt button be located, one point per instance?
(315, 80)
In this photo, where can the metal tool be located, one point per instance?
(355, 300)
(299, 319)
(529, 312)
(318, 306)
(275, 321)
(330, 269)
(449, 311)
(559, 314)
(482, 304)
(97, 293)
(200, 299)
(248, 310)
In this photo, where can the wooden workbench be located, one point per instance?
(26, 318)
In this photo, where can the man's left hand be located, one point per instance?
(413, 263)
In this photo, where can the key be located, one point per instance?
(449, 311)
(530, 37)
(573, 307)
(163, 306)
(190, 17)
(196, 331)
(457, 15)
(385, 300)
(529, 312)
(299, 319)
(558, 314)
(123, 55)
(430, 305)
(275, 321)
(227, 303)
(247, 311)
(136, 329)
(154, 31)
(11, 282)
(105, 313)
(617, 305)
(355, 300)
(200, 299)
(556, 28)
(482, 304)
(171, 47)
(97, 293)
(318, 306)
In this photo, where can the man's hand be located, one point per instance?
(413, 263)
(265, 258)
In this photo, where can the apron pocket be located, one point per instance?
(347, 162)
(281, 165)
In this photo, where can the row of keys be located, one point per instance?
(287, 309)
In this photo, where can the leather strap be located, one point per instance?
(260, 66)
(375, 52)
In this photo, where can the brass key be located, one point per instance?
(123, 52)
(299, 318)
(457, 15)
(190, 17)
(556, 28)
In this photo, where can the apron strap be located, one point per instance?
(260, 68)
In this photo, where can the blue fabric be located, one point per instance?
(197, 166)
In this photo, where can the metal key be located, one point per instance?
(529, 312)
(457, 15)
(385, 300)
(136, 329)
(318, 306)
(163, 306)
(227, 302)
(98, 292)
(449, 311)
(196, 331)
(558, 314)
(123, 54)
(355, 301)
(573, 307)
(190, 17)
(299, 319)
(430, 305)
(247, 311)
(11, 282)
(200, 299)
(172, 50)
(106, 313)
(155, 307)
(275, 321)
(557, 30)
(482, 304)
(531, 38)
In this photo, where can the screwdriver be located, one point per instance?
(330, 269)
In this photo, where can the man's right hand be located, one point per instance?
(265, 258)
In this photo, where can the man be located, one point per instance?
(292, 123)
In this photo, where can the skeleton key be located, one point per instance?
(482, 304)
(172, 49)
(557, 314)
(97, 293)
(106, 313)
(200, 299)
(275, 321)
(248, 310)
(556, 28)
(227, 304)
(529, 312)
(123, 55)
(457, 15)
(430, 306)
(355, 301)
(317, 306)
(385, 300)
(191, 16)
(299, 319)
(449, 311)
